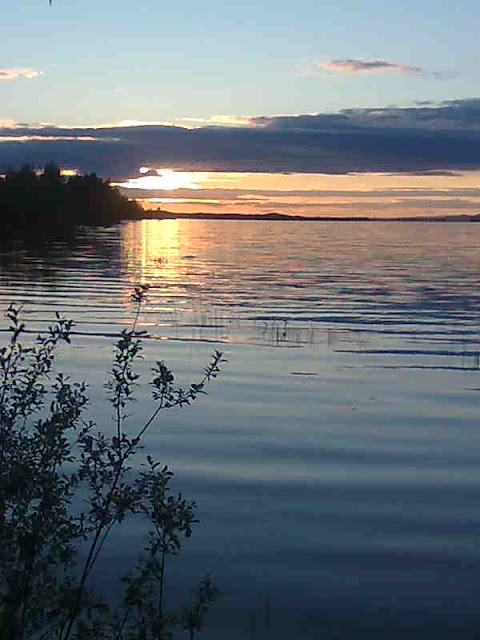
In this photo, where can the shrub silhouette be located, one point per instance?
(49, 455)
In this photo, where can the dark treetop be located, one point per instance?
(47, 203)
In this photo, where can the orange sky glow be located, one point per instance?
(352, 195)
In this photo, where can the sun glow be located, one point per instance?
(164, 179)
(354, 195)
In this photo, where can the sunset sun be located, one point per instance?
(166, 179)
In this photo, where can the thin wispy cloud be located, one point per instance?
(128, 123)
(362, 65)
(11, 74)
(353, 66)
(219, 120)
(7, 123)
(38, 138)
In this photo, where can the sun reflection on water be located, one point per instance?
(152, 250)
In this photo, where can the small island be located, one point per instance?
(47, 203)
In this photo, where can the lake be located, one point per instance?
(336, 459)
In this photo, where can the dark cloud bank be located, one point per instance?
(424, 138)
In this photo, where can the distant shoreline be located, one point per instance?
(168, 215)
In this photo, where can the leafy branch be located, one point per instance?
(50, 454)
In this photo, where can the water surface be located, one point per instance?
(335, 461)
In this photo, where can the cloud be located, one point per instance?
(10, 74)
(128, 123)
(235, 193)
(438, 174)
(220, 120)
(454, 115)
(362, 65)
(36, 138)
(7, 123)
(417, 139)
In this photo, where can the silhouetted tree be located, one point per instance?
(47, 202)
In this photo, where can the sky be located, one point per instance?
(310, 107)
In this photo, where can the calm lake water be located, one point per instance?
(336, 460)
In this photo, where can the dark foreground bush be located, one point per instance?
(49, 455)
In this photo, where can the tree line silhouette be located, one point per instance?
(47, 203)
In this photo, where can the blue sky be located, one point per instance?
(152, 60)
(329, 88)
